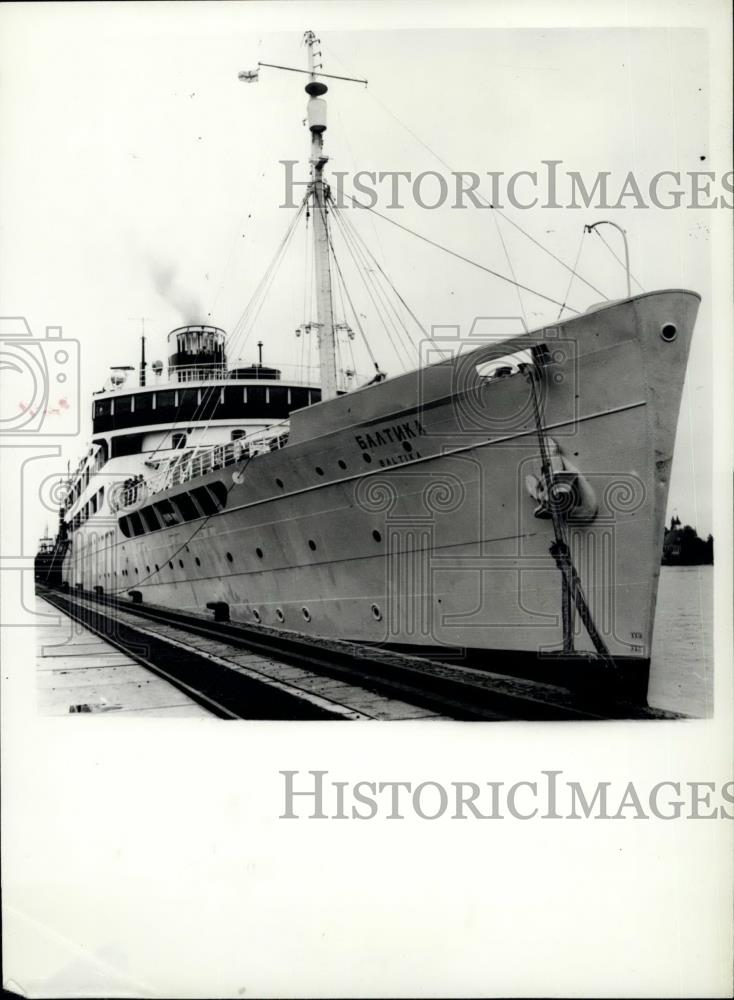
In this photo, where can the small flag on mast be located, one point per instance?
(249, 75)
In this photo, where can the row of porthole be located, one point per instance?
(280, 615)
(230, 558)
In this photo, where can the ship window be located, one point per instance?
(165, 399)
(186, 505)
(259, 552)
(197, 560)
(279, 482)
(144, 402)
(127, 444)
(376, 535)
(164, 509)
(230, 558)
(342, 464)
(180, 562)
(149, 518)
(219, 492)
(188, 398)
(123, 404)
(236, 435)
(206, 500)
(319, 471)
(136, 524)
(178, 440)
(312, 544)
(102, 408)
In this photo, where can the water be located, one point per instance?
(682, 668)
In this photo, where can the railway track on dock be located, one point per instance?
(239, 671)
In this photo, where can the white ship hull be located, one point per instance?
(400, 513)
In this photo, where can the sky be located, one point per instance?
(140, 178)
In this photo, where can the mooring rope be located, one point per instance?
(572, 589)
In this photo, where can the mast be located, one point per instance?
(317, 125)
(143, 364)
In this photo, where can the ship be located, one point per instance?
(501, 505)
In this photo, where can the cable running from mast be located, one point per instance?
(467, 260)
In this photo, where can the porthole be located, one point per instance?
(669, 332)
(306, 614)
(342, 464)
(376, 613)
(319, 471)
(170, 565)
(197, 560)
(312, 544)
(136, 570)
(279, 482)
(259, 553)
(279, 615)
(376, 535)
(230, 557)
(157, 567)
(147, 569)
(407, 446)
(180, 563)
(256, 615)
(367, 457)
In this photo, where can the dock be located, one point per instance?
(79, 672)
(106, 654)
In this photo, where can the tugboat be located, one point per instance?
(503, 505)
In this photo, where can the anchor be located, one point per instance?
(564, 490)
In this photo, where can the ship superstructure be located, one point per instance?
(504, 504)
(142, 423)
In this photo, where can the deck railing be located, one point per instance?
(192, 465)
(288, 374)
